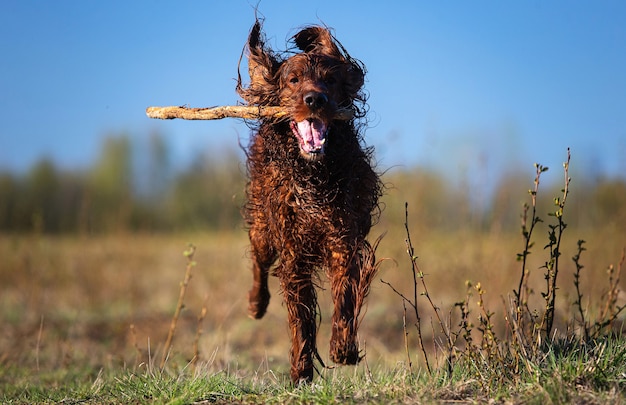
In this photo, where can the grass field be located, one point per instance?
(465, 309)
(85, 320)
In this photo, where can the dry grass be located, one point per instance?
(71, 301)
(95, 311)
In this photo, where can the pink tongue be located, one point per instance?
(312, 134)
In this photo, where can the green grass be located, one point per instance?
(568, 373)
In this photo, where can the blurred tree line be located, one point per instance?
(139, 190)
(126, 189)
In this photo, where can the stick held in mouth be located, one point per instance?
(227, 111)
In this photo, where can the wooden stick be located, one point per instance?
(215, 113)
(226, 111)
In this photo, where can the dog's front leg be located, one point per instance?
(301, 303)
(344, 277)
(263, 257)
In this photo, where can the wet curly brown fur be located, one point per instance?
(312, 193)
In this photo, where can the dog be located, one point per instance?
(312, 191)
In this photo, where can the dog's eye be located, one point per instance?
(330, 80)
(294, 80)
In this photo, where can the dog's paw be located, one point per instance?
(258, 300)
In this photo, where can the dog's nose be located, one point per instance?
(315, 100)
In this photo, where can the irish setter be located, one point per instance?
(312, 194)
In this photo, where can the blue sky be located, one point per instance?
(465, 87)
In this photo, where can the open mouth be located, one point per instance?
(311, 134)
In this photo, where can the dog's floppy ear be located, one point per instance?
(317, 40)
(262, 64)
(262, 68)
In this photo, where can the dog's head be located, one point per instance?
(317, 84)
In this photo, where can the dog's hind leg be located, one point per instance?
(263, 256)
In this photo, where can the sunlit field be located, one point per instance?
(80, 306)
(107, 301)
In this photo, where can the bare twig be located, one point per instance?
(196, 340)
(417, 273)
(579, 295)
(552, 267)
(179, 307)
(521, 295)
(228, 111)
(611, 310)
(406, 335)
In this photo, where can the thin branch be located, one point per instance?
(417, 273)
(579, 295)
(555, 250)
(527, 232)
(215, 113)
(228, 111)
(180, 305)
(196, 340)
